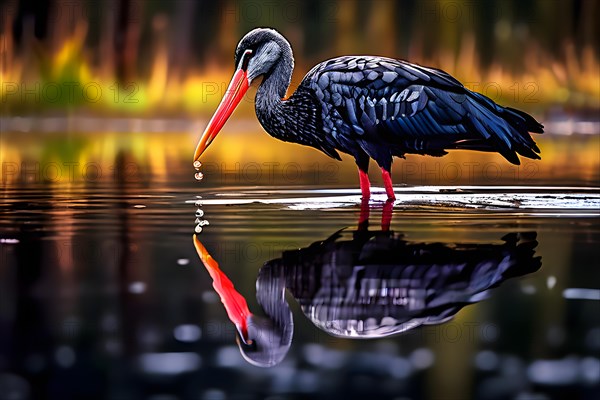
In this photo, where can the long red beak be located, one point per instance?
(235, 92)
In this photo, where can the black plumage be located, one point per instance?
(378, 283)
(376, 107)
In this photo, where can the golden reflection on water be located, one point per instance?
(250, 157)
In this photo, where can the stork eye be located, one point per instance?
(245, 59)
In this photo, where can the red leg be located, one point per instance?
(387, 182)
(365, 185)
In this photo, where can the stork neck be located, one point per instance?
(270, 93)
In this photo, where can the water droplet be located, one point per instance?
(199, 213)
(197, 164)
(198, 229)
(198, 203)
(183, 261)
(199, 176)
(203, 222)
(139, 206)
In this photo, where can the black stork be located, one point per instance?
(369, 107)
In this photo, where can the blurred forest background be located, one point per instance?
(148, 56)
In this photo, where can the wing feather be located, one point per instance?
(414, 109)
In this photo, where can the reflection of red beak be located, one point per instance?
(237, 88)
(235, 304)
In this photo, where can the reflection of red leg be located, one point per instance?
(363, 220)
(386, 215)
(365, 185)
(387, 182)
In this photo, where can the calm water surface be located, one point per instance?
(104, 295)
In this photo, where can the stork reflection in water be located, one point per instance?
(367, 284)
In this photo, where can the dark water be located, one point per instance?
(488, 292)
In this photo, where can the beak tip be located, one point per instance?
(197, 155)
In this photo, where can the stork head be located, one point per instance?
(266, 342)
(257, 54)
